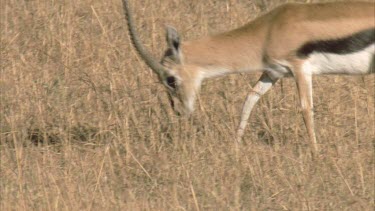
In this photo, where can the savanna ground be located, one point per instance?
(86, 126)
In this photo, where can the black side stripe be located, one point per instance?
(346, 45)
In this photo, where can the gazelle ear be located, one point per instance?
(173, 41)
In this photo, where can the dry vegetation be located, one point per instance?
(85, 125)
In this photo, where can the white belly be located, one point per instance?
(360, 62)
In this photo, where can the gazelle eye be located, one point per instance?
(171, 82)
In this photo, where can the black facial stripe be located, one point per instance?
(171, 100)
(346, 45)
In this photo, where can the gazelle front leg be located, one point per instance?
(303, 79)
(261, 87)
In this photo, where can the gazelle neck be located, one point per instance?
(240, 50)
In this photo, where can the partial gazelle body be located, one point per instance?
(298, 40)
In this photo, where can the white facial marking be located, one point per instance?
(190, 105)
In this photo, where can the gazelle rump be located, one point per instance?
(297, 40)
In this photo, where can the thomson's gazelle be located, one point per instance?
(297, 40)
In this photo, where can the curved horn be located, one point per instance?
(152, 63)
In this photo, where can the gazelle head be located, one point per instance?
(181, 79)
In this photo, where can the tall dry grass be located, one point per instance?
(86, 126)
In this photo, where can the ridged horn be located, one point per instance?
(146, 56)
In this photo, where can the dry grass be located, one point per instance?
(85, 125)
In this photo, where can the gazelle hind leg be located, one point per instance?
(261, 87)
(303, 79)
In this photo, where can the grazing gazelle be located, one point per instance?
(297, 40)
